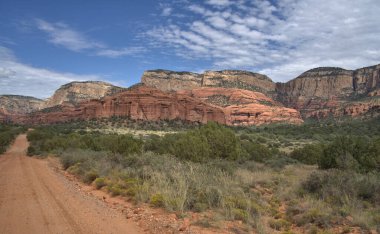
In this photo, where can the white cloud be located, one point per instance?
(281, 40)
(121, 52)
(166, 11)
(23, 79)
(219, 2)
(62, 35)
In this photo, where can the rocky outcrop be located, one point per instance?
(72, 93)
(315, 89)
(324, 88)
(365, 108)
(367, 80)
(245, 107)
(141, 103)
(146, 103)
(76, 92)
(239, 79)
(330, 90)
(230, 97)
(173, 81)
(16, 104)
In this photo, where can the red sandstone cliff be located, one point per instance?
(145, 103)
(332, 90)
(228, 97)
(244, 107)
(320, 89)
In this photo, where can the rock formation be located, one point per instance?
(76, 92)
(245, 107)
(141, 103)
(16, 104)
(230, 97)
(173, 81)
(145, 103)
(324, 89)
(331, 90)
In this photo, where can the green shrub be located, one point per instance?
(240, 214)
(7, 135)
(90, 176)
(351, 153)
(100, 182)
(210, 141)
(31, 151)
(311, 211)
(115, 189)
(280, 161)
(309, 154)
(256, 152)
(157, 200)
(336, 186)
(279, 224)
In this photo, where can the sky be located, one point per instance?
(45, 44)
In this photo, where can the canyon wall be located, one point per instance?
(319, 90)
(173, 81)
(145, 103)
(16, 104)
(76, 92)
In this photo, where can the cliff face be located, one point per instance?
(230, 97)
(367, 80)
(245, 107)
(319, 90)
(15, 104)
(141, 103)
(316, 88)
(331, 90)
(145, 103)
(76, 92)
(239, 79)
(173, 81)
(369, 108)
(168, 80)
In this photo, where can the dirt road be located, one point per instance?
(35, 199)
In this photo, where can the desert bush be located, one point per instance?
(167, 181)
(309, 154)
(280, 161)
(279, 224)
(351, 153)
(210, 141)
(311, 211)
(7, 135)
(337, 186)
(256, 152)
(100, 182)
(45, 140)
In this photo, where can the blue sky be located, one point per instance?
(44, 44)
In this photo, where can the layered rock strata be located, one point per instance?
(324, 88)
(76, 92)
(16, 104)
(172, 81)
(150, 104)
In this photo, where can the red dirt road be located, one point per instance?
(35, 199)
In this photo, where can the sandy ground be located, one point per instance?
(35, 199)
